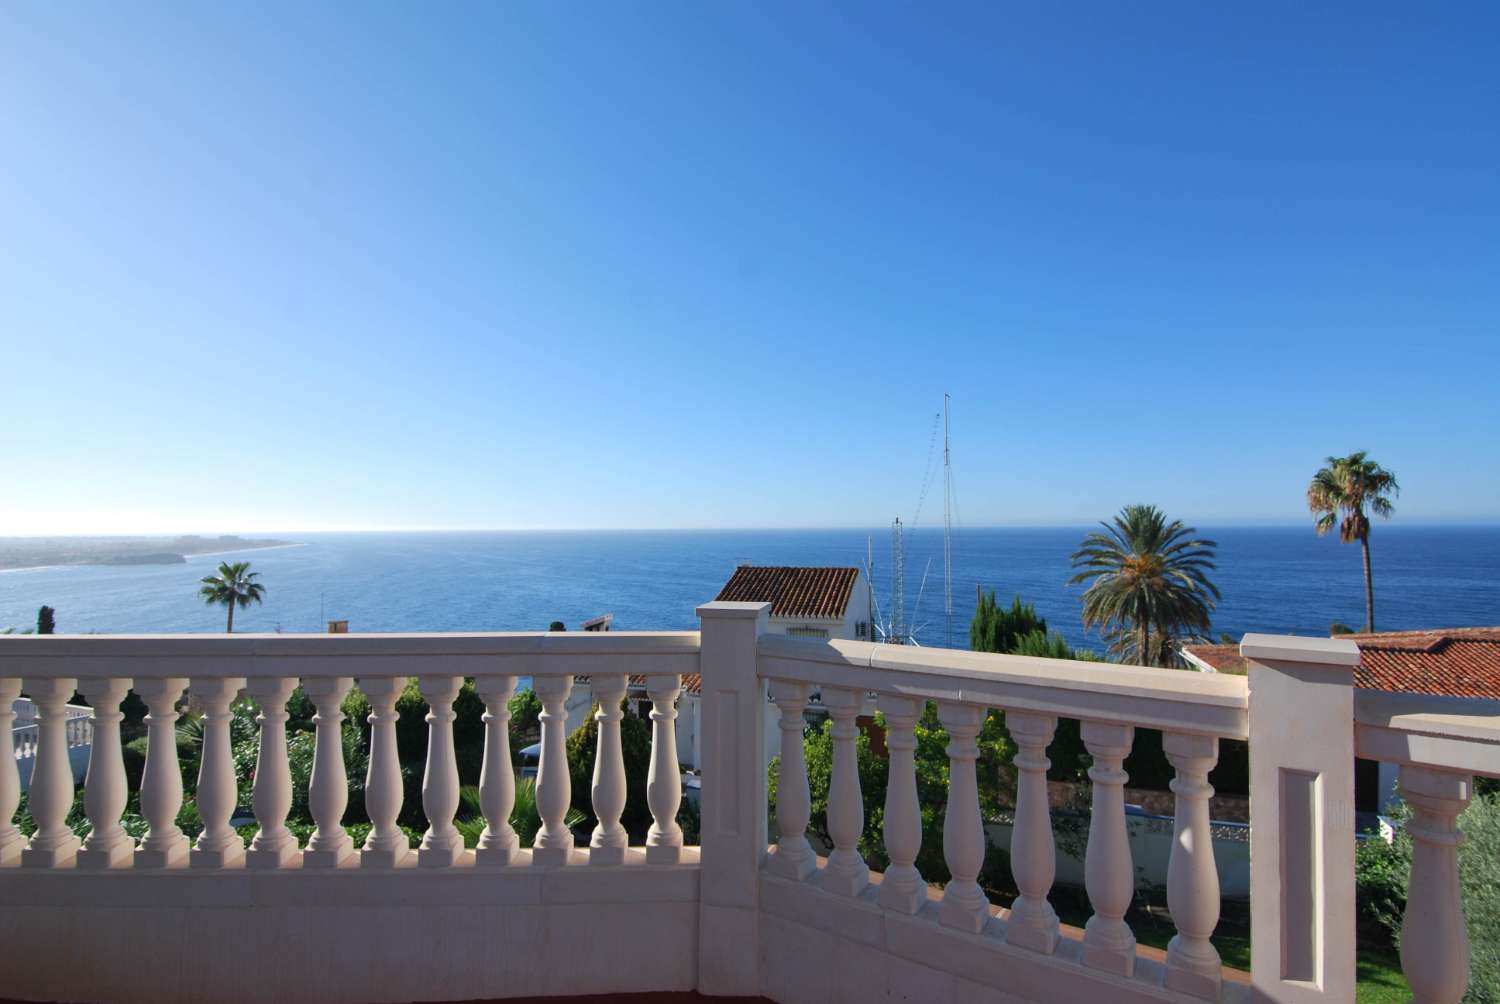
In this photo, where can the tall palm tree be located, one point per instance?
(1340, 494)
(1146, 574)
(233, 586)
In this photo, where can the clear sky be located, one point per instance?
(658, 265)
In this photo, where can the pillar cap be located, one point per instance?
(732, 610)
(1295, 648)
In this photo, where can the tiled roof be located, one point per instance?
(1452, 662)
(692, 683)
(792, 591)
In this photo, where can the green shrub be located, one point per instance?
(635, 746)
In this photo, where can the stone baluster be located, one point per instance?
(1033, 852)
(846, 873)
(1434, 940)
(387, 845)
(902, 889)
(1193, 965)
(165, 845)
(664, 778)
(273, 846)
(442, 844)
(498, 843)
(607, 847)
(964, 905)
(219, 846)
(328, 789)
(1109, 875)
(554, 789)
(104, 787)
(794, 856)
(11, 840)
(50, 795)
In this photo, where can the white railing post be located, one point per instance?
(664, 778)
(386, 846)
(903, 889)
(1302, 908)
(11, 840)
(219, 846)
(732, 841)
(328, 789)
(794, 856)
(846, 873)
(442, 844)
(104, 787)
(498, 843)
(165, 845)
(1109, 876)
(554, 789)
(1193, 965)
(964, 905)
(1434, 939)
(607, 846)
(1033, 850)
(50, 795)
(273, 846)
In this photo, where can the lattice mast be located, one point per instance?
(898, 587)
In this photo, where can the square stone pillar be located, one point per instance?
(1301, 817)
(733, 825)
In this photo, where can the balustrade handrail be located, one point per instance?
(1172, 700)
(1446, 733)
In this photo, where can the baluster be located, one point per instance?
(165, 845)
(442, 844)
(794, 856)
(1033, 854)
(554, 789)
(386, 846)
(903, 888)
(328, 788)
(1109, 875)
(846, 873)
(274, 846)
(498, 843)
(104, 787)
(607, 847)
(218, 846)
(1193, 964)
(50, 795)
(11, 840)
(664, 779)
(1434, 941)
(964, 904)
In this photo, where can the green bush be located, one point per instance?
(635, 746)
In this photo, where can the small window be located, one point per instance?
(807, 632)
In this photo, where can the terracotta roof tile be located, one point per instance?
(792, 591)
(692, 683)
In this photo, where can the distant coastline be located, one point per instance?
(20, 553)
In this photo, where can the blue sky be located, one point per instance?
(626, 265)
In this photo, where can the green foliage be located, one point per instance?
(635, 747)
(46, 620)
(525, 719)
(997, 629)
(1344, 494)
(233, 585)
(557, 626)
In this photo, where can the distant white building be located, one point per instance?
(806, 602)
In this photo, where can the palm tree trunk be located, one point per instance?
(1369, 586)
(230, 628)
(1142, 640)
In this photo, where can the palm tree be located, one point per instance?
(233, 586)
(1146, 574)
(1346, 488)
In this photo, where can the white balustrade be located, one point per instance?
(104, 787)
(664, 778)
(607, 846)
(498, 844)
(328, 790)
(1193, 965)
(846, 872)
(273, 846)
(902, 888)
(1033, 853)
(554, 789)
(442, 844)
(165, 845)
(1434, 937)
(794, 856)
(1109, 876)
(219, 846)
(386, 846)
(50, 794)
(964, 905)
(11, 840)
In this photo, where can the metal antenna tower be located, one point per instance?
(898, 591)
(947, 529)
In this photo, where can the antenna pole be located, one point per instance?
(947, 528)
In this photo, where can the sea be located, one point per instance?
(1279, 579)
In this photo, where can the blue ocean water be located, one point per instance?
(1274, 579)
